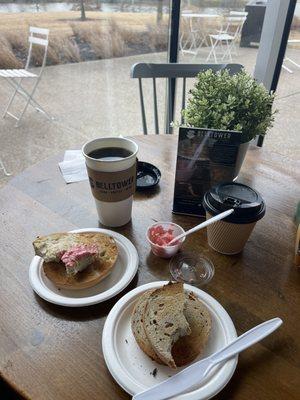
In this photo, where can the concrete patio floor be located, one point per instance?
(99, 98)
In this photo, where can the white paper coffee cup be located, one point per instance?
(112, 182)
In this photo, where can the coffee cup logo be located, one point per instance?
(112, 186)
(91, 182)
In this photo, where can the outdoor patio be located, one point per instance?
(99, 98)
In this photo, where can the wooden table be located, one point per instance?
(51, 352)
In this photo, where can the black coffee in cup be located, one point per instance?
(110, 153)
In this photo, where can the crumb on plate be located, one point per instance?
(154, 372)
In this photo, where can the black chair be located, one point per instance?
(170, 71)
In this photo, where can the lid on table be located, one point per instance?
(148, 176)
(247, 203)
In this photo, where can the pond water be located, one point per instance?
(129, 6)
(126, 6)
(35, 7)
(63, 6)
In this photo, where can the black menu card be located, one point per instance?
(205, 157)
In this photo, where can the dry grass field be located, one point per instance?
(102, 35)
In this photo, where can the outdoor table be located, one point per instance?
(196, 37)
(53, 352)
(195, 15)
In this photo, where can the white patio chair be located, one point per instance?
(227, 27)
(238, 13)
(15, 77)
(185, 38)
(226, 38)
(192, 37)
(290, 41)
(2, 168)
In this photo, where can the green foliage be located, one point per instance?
(236, 102)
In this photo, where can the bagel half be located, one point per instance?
(91, 275)
(187, 347)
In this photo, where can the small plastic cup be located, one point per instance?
(166, 251)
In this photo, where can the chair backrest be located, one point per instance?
(171, 71)
(238, 13)
(186, 12)
(234, 24)
(185, 25)
(38, 37)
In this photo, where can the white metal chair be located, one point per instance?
(15, 77)
(290, 41)
(191, 37)
(233, 16)
(238, 13)
(186, 38)
(2, 168)
(226, 38)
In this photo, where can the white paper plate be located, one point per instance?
(131, 368)
(121, 275)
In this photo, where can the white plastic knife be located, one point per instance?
(195, 373)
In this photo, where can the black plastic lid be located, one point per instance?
(148, 176)
(247, 203)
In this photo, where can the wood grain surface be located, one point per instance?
(49, 352)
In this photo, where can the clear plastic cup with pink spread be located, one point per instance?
(160, 234)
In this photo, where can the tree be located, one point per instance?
(98, 5)
(82, 10)
(159, 11)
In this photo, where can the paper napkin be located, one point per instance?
(73, 166)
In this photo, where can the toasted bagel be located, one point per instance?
(91, 275)
(188, 346)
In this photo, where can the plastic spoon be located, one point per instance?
(202, 225)
(196, 372)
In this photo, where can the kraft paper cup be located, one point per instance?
(228, 238)
(112, 183)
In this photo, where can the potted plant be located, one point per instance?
(230, 102)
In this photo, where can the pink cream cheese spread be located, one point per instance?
(78, 257)
(160, 236)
